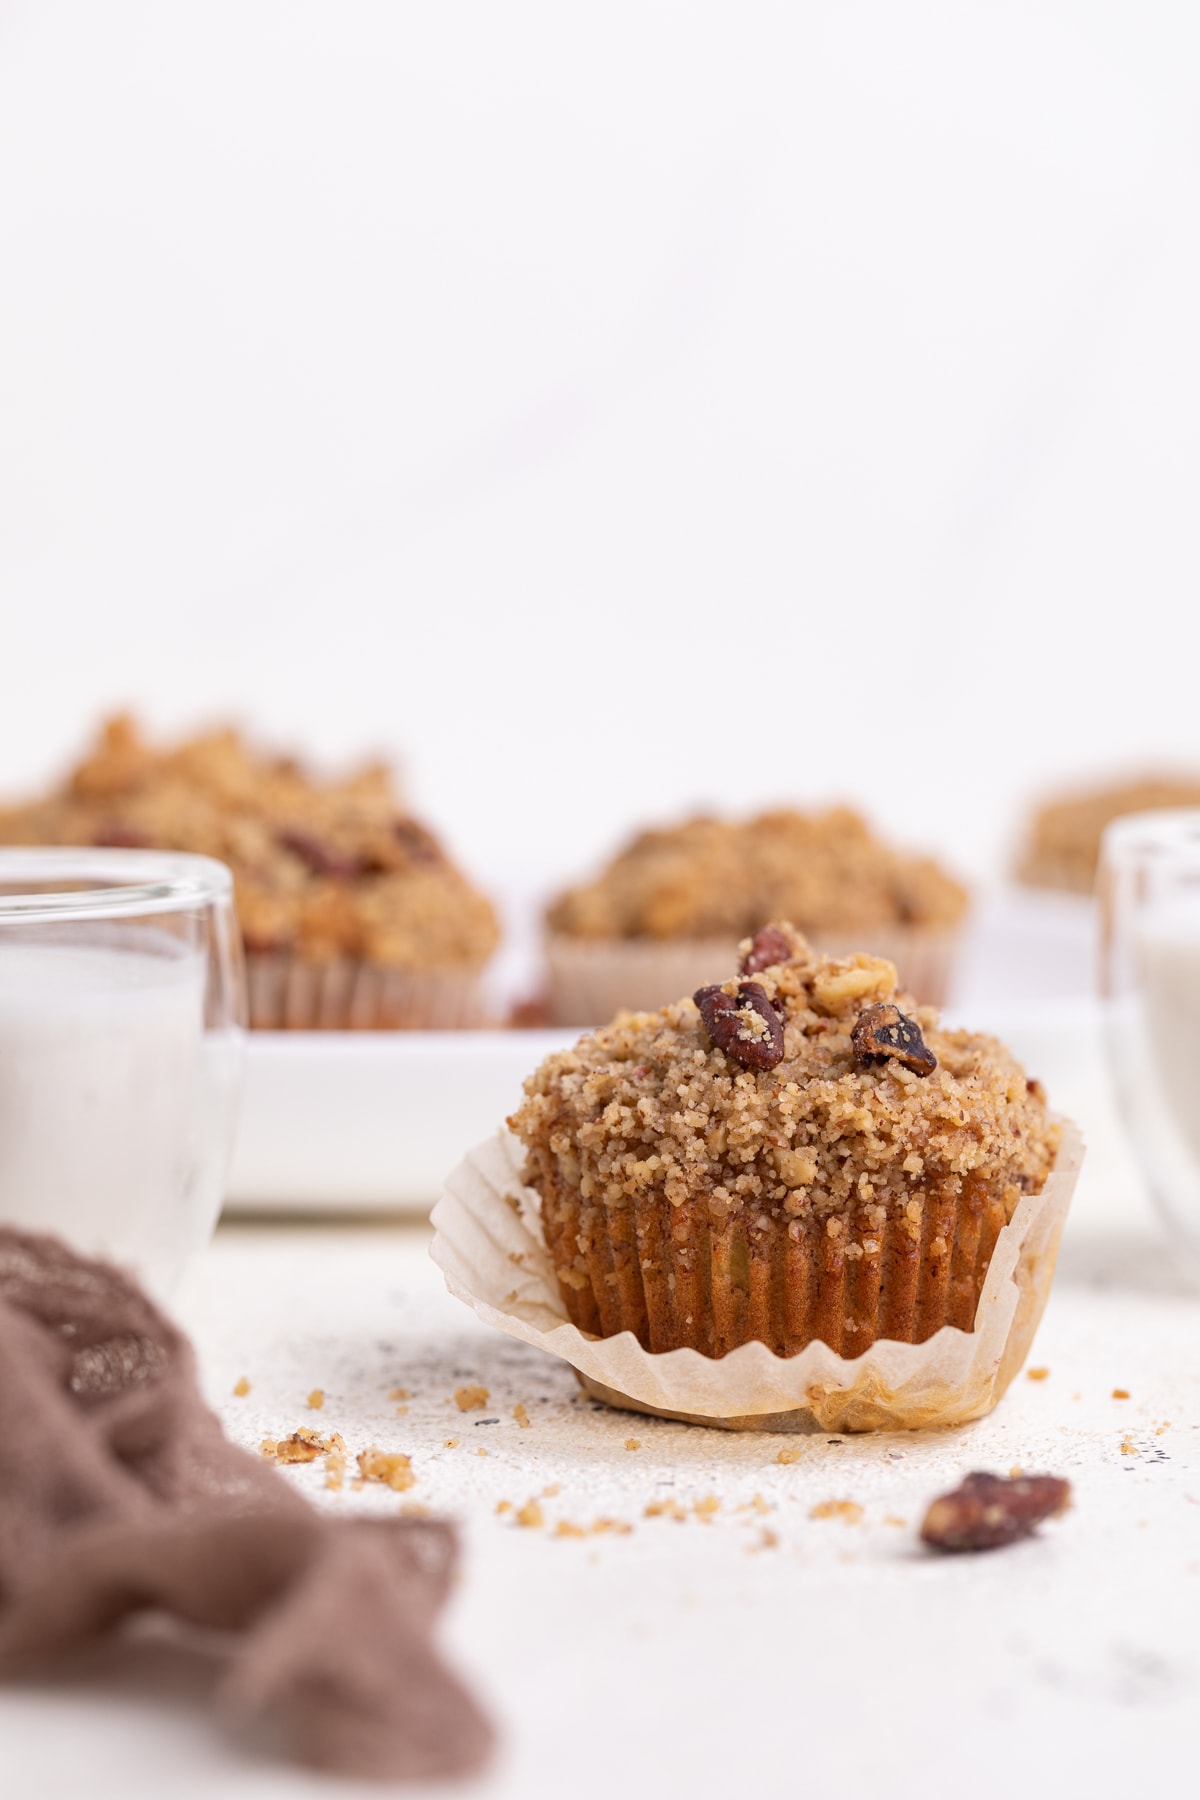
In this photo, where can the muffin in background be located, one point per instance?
(1062, 848)
(352, 915)
(666, 914)
(796, 1154)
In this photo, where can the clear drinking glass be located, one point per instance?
(1149, 888)
(122, 1008)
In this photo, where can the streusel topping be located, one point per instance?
(1064, 840)
(323, 868)
(717, 878)
(831, 1130)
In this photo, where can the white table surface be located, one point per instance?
(837, 1660)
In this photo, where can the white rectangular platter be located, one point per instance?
(345, 1121)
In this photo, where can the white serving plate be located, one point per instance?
(346, 1121)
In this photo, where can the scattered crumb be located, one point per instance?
(767, 1539)
(521, 1416)
(1120, 1393)
(303, 1446)
(513, 1201)
(1016, 1472)
(316, 1399)
(471, 1399)
(633, 1443)
(415, 1509)
(393, 1469)
(894, 1519)
(516, 1256)
(564, 1528)
(400, 1411)
(789, 1456)
(666, 1509)
(1128, 1447)
(399, 1393)
(450, 1444)
(530, 1515)
(708, 1507)
(1036, 1374)
(1165, 1426)
(241, 1387)
(849, 1510)
(481, 1453)
(555, 1487)
(617, 1525)
(504, 1506)
(335, 1470)
(756, 1503)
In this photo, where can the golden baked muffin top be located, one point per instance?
(717, 878)
(1064, 840)
(805, 1085)
(321, 868)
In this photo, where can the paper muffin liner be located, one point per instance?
(591, 979)
(489, 1245)
(288, 994)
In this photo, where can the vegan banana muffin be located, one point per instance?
(798, 1153)
(1063, 846)
(352, 914)
(668, 911)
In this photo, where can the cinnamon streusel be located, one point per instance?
(798, 1153)
(1063, 846)
(351, 912)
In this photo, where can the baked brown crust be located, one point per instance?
(717, 878)
(701, 1203)
(323, 870)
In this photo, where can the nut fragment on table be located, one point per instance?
(989, 1511)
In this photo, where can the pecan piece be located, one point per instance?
(770, 946)
(320, 857)
(745, 1025)
(883, 1031)
(988, 1511)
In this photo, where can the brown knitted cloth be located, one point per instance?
(120, 1494)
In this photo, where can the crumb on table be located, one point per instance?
(392, 1468)
(471, 1398)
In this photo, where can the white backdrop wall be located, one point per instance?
(607, 409)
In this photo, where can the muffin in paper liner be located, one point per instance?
(589, 980)
(286, 993)
(489, 1246)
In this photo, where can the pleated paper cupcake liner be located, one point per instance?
(490, 1247)
(288, 994)
(589, 980)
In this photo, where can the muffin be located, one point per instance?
(667, 913)
(796, 1154)
(1063, 844)
(352, 915)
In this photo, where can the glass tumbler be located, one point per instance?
(122, 1008)
(1149, 890)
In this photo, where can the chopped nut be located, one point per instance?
(744, 1025)
(521, 1416)
(988, 1511)
(470, 1399)
(848, 1510)
(391, 1468)
(241, 1387)
(316, 1399)
(530, 1515)
(768, 947)
(884, 1032)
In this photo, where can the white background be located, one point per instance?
(608, 409)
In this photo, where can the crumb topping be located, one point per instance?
(716, 878)
(652, 1104)
(1064, 839)
(324, 868)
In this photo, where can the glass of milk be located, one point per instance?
(1149, 887)
(122, 1008)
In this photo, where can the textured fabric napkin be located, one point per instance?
(120, 1494)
